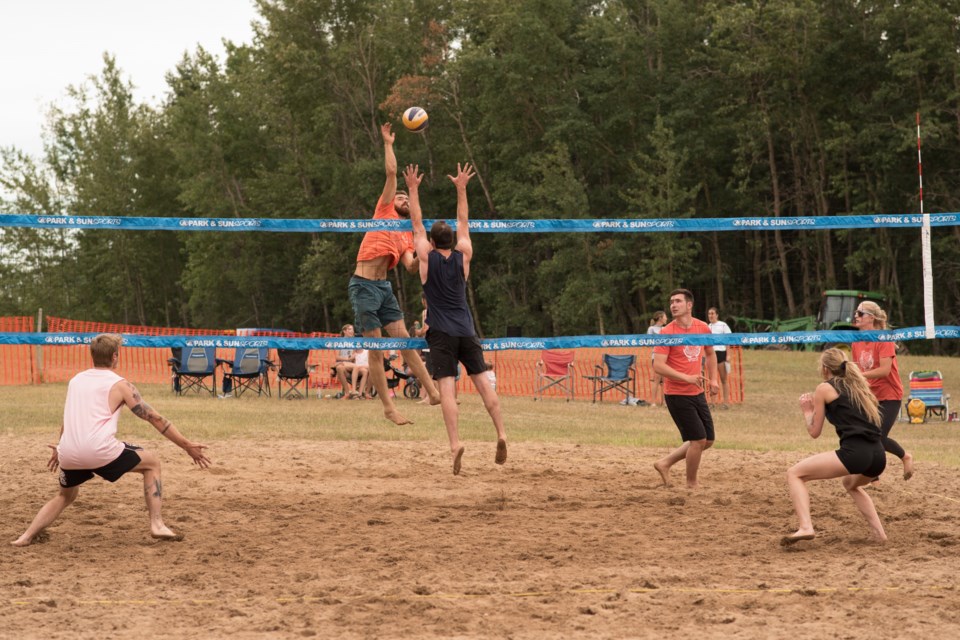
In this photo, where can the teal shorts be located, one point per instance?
(374, 305)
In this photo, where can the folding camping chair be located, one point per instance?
(247, 371)
(191, 371)
(621, 376)
(927, 386)
(293, 374)
(554, 369)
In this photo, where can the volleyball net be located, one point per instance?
(514, 358)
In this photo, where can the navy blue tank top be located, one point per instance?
(446, 291)
(849, 421)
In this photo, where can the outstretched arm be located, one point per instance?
(421, 245)
(464, 245)
(389, 164)
(131, 397)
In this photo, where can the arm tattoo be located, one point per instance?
(141, 410)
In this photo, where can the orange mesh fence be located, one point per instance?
(18, 361)
(515, 370)
(137, 364)
(516, 373)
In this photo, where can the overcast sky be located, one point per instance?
(46, 45)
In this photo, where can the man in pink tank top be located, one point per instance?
(88, 443)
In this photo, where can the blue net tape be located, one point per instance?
(494, 344)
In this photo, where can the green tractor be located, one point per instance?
(837, 307)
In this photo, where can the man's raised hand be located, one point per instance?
(463, 176)
(412, 176)
(386, 130)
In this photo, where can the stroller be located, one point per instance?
(411, 386)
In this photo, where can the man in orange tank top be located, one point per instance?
(88, 443)
(371, 294)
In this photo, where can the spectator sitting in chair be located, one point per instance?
(361, 374)
(344, 366)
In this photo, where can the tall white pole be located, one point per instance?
(925, 249)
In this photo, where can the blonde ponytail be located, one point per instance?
(848, 377)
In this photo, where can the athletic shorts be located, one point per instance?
(374, 305)
(721, 356)
(446, 351)
(127, 460)
(862, 456)
(692, 416)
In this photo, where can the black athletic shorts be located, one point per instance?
(862, 456)
(721, 356)
(127, 460)
(692, 416)
(446, 351)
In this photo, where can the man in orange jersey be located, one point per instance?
(371, 293)
(683, 383)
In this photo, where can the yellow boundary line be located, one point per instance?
(475, 596)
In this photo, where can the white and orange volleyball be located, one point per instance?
(415, 119)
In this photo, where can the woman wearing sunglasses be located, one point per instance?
(878, 361)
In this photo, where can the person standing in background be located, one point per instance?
(718, 327)
(878, 362)
(656, 380)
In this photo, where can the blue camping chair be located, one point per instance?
(247, 371)
(621, 376)
(191, 367)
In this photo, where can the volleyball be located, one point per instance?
(415, 119)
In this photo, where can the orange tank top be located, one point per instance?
(376, 244)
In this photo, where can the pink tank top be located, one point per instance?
(89, 425)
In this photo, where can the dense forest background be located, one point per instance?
(567, 108)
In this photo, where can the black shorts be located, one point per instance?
(692, 416)
(862, 456)
(127, 460)
(446, 351)
(721, 356)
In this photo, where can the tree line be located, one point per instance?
(567, 109)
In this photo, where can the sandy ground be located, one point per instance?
(376, 539)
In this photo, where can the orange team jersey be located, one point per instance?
(385, 243)
(684, 358)
(867, 356)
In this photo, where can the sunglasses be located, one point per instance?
(860, 313)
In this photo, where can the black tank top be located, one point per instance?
(848, 420)
(446, 291)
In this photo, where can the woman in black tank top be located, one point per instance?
(844, 398)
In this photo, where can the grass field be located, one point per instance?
(768, 420)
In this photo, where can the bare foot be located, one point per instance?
(794, 538)
(395, 417)
(433, 400)
(501, 452)
(664, 472)
(173, 537)
(878, 538)
(24, 541)
(907, 466)
(163, 533)
(457, 459)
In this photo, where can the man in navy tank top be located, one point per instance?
(444, 269)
